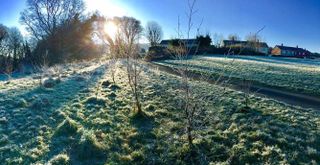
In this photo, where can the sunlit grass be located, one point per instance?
(300, 76)
(84, 128)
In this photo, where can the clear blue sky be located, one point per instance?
(291, 22)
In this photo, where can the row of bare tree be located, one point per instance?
(13, 49)
(124, 46)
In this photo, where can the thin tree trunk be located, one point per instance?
(190, 139)
(138, 103)
(113, 78)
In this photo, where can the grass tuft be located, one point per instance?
(3, 120)
(4, 140)
(112, 96)
(137, 156)
(89, 148)
(150, 108)
(40, 103)
(96, 101)
(67, 127)
(22, 103)
(114, 87)
(106, 84)
(61, 159)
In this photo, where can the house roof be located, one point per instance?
(291, 48)
(234, 42)
(186, 41)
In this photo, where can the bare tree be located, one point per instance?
(3, 48)
(254, 40)
(3, 34)
(15, 44)
(11, 49)
(154, 33)
(110, 43)
(124, 45)
(194, 105)
(217, 39)
(180, 51)
(253, 37)
(128, 38)
(42, 17)
(234, 37)
(42, 68)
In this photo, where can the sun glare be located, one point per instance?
(111, 29)
(109, 8)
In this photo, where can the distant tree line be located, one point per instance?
(13, 49)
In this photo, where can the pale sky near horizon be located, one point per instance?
(291, 22)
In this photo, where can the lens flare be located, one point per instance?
(111, 29)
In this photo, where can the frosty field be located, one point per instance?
(86, 120)
(298, 75)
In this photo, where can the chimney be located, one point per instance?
(297, 46)
(281, 44)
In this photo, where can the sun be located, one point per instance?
(111, 29)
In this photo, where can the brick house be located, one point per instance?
(280, 50)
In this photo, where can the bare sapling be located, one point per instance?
(254, 40)
(246, 88)
(133, 73)
(194, 105)
(131, 30)
(41, 68)
(181, 49)
(124, 45)
(88, 75)
(110, 44)
(112, 67)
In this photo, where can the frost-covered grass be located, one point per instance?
(301, 75)
(77, 123)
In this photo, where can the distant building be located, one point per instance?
(281, 50)
(260, 47)
(190, 43)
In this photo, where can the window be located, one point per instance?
(284, 52)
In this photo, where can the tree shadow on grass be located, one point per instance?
(39, 115)
(269, 133)
(143, 140)
(143, 122)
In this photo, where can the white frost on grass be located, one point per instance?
(301, 75)
(77, 122)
